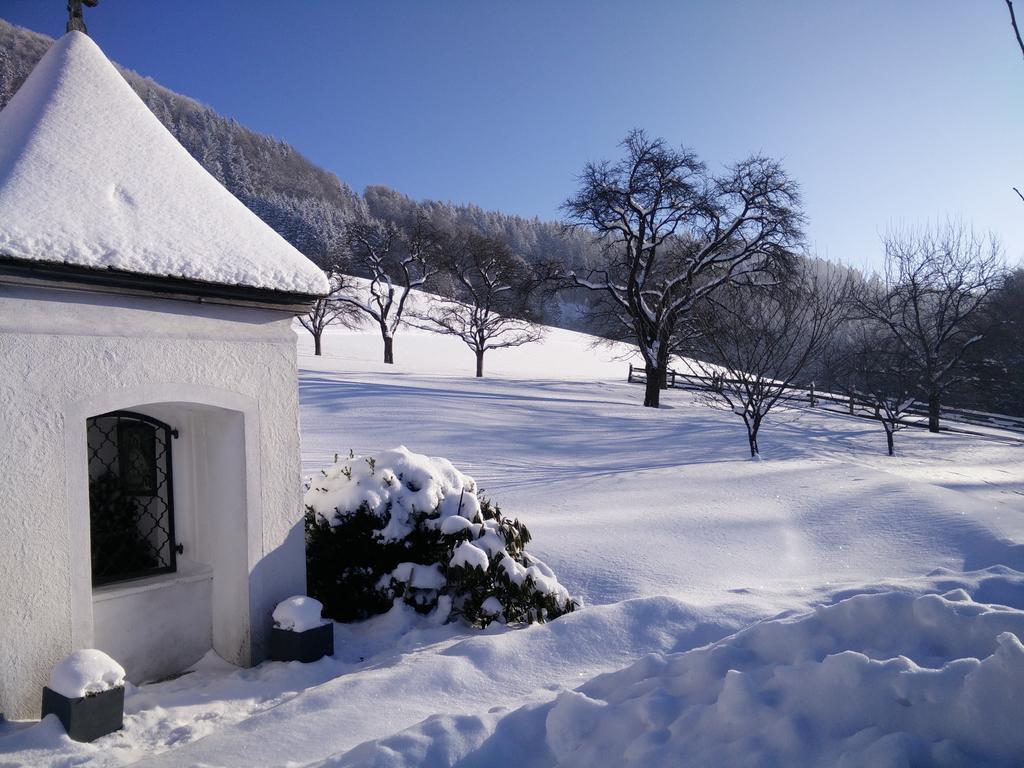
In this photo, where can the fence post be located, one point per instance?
(812, 394)
(673, 377)
(630, 379)
(851, 405)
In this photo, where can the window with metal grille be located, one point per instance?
(131, 504)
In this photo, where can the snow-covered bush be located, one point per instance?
(400, 525)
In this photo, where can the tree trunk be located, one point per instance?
(389, 350)
(888, 440)
(480, 364)
(934, 406)
(752, 428)
(316, 343)
(663, 358)
(652, 390)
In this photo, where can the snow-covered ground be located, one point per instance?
(676, 541)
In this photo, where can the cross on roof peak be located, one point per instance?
(75, 21)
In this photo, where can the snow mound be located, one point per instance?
(298, 614)
(876, 677)
(887, 678)
(86, 672)
(89, 177)
(399, 483)
(492, 606)
(469, 555)
(419, 576)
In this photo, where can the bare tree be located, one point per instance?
(394, 261)
(868, 368)
(674, 234)
(490, 305)
(935, 284)
(329, 310)
(757, 341)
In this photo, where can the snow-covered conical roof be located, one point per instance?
(89, 177)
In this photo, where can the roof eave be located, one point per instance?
(49, 274)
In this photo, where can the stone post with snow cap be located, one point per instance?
(300, 632)
(86, 693)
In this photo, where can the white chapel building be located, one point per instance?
(150, 488)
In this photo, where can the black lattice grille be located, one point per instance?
(131, 505)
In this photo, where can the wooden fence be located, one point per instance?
(916, 415)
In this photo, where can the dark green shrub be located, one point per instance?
(404, 526)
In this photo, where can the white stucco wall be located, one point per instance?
(157, 628)
(228, 376)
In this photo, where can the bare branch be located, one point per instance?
(1016, 30)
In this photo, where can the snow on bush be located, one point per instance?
(400, 525)
(84, 673)
(299, 613)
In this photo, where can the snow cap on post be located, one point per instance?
(86, 672)
(89, 177)
(299, 613)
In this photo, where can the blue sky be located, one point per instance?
(887, 113)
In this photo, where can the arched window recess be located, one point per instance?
(131, 497)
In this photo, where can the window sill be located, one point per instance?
(186, 573)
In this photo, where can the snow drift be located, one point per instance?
(876, 679)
